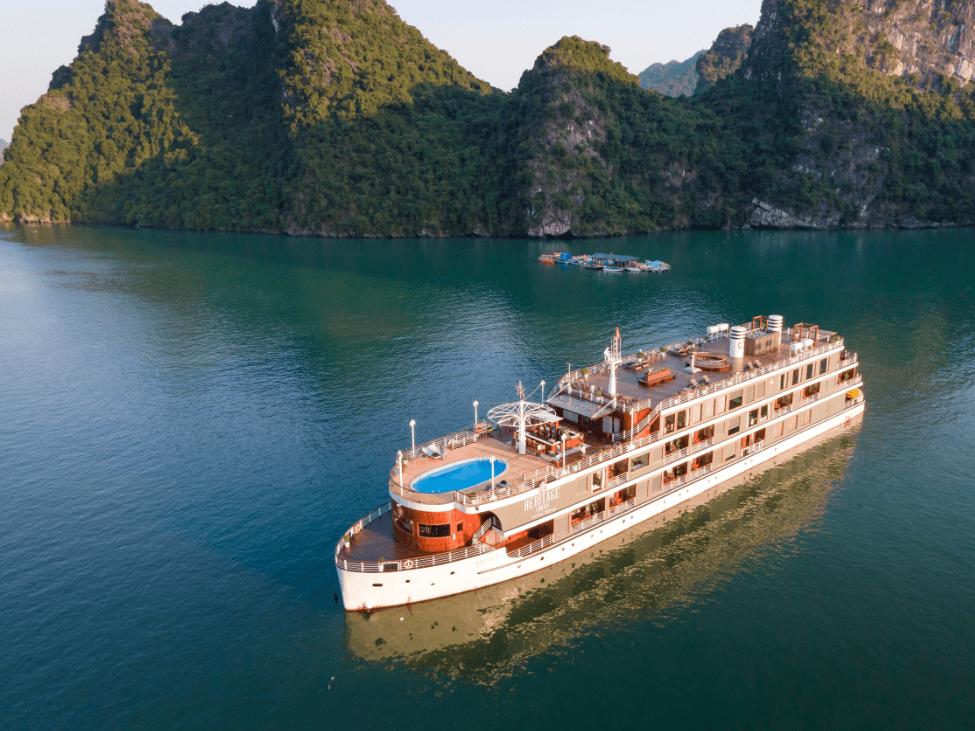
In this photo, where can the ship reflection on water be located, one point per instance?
(658, 567)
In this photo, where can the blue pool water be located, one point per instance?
(458, 476)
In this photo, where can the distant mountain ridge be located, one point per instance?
(674, 78)
(335, 118)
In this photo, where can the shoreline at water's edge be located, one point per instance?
(903, 225)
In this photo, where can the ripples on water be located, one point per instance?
(188, 422)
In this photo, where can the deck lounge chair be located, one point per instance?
(432, 451)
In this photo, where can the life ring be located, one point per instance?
(407, 564)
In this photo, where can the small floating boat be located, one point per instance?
(636, 268)
(547, 259)
(593, 264)
(613, 267)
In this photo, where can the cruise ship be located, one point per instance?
(609, 447)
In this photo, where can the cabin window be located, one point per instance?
(597, 480)
(795, 376)
(782, 382)
(823, 365)
(845, 376)
(435, 531)
(809, 371)
(638, 463)
(404, 524)
(675, 472)
(681, 419)
(783, 401)
(676, 444)
(702, 435)
(765, 412)
(735, 400)
(703, 461)
(670, 422)
(734, 428)
(460, 527)
(753, 417)
(810, 390)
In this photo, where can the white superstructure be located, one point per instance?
(619, 443)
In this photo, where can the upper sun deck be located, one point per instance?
(474, 444)
(661, 374)
(586, 393)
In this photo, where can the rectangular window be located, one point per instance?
(640, 462)
(460, 527)
(823, 365)
(435, 531)
(669, 423)
(734, 428)
(702, 435)
(782, 382)
(597, 481)
(735, 401)
(809, 371)
(753, 417)
(765, 412)
(681, 419)
(795, 376)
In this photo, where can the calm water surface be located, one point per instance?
(189, 422)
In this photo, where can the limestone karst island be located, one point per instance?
(338, 119)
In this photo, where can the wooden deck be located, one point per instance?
(627, 379)
(376, 541)
(518, 465)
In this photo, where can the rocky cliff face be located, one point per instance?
(724, 57)
(920, 40)
(861, 83)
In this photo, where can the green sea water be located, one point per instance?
(190, 421)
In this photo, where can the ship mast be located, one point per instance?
(614, 357)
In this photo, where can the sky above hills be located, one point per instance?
(496, 40)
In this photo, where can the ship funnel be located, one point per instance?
(775, 327)
(737, 347)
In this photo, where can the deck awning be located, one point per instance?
(578, 405)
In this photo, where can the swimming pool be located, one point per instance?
(458, 476)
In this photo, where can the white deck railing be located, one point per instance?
(551, 473)
(378, 567)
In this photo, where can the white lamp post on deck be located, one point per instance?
(399, 460)
(412, 435)
(475, 416)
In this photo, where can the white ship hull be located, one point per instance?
(369, 590)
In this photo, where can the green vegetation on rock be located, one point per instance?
(335, 118)
(675, 78)
(724, 57)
